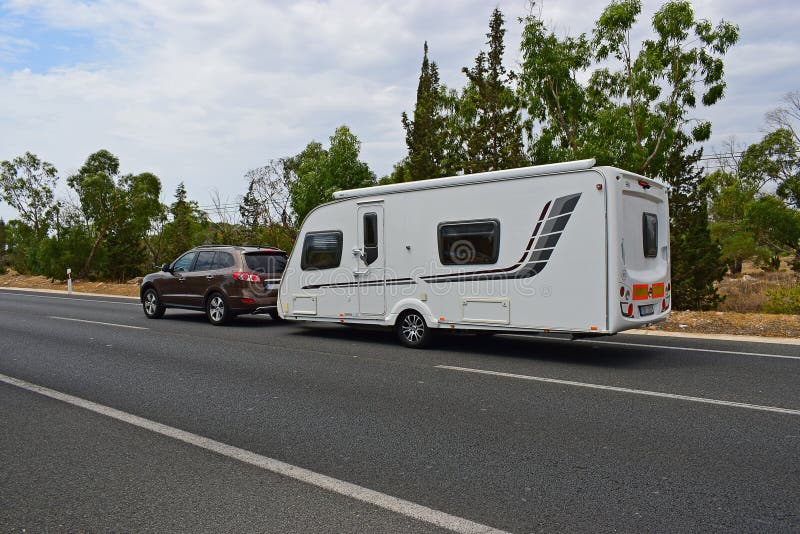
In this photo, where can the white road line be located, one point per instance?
(774, 409)
(666, 347)
(692, 349)
(381, 500)
(73, 298)
(98, 322)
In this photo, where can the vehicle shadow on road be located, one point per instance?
(533, 348)
(241, 321)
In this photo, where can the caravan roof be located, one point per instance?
(492, 176)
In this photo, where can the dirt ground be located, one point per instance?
(14, 279)
(719, 322)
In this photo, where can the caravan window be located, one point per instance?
(469, 242)
(650, 234)
(321, 250)
(370, 237)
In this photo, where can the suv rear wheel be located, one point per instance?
(217, 309)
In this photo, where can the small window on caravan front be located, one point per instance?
(469, 242)
(321, 250)
(650, 234)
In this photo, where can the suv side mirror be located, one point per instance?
(166, 268)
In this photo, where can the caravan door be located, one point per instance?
(370, 272)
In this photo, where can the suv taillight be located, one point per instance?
(247, 277)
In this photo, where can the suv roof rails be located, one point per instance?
(271, 247)
(217, 246)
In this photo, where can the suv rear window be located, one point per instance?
(265, 262)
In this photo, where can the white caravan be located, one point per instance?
(567, 247)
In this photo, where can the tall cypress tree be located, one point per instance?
(695, 257)
(425, 135)
(490, 110)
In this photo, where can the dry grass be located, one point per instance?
(747, 292)
(732, 323)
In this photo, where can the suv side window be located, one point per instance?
(205, 260)
(223, 260)
(184, 263)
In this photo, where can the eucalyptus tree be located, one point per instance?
(117, 208)
(321, 171)
(636, 99)
(27, 184)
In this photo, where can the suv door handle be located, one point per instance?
(209, 277)
(181, 279)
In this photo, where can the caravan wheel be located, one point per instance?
(412, 330)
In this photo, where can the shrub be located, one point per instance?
(783, 300)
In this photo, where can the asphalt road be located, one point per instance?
(622, 434)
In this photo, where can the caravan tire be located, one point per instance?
(412, 330)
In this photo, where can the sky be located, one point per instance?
(201, 91)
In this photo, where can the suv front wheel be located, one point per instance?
(153, 309)
(217, 309)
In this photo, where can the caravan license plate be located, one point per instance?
(648, 309)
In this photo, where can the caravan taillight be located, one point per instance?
(621, 291)
(644, 184)
(626, 309)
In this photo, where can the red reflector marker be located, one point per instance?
(644, 184)
(658, 290)
(640, 291)
(248, 301)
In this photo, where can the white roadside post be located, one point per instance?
(69, 281)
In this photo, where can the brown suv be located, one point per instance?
(222, 280)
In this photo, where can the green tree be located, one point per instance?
(117, 208)
(20, 240)
(67, 248)
(187, 227)
(489, 110)
(426, 134)
(776, 227)
(27, 184)
(748, 220)
(268, 200)
(696, 258)
(3, 246)
(628, 114)
(322, 172)
(729, 197)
